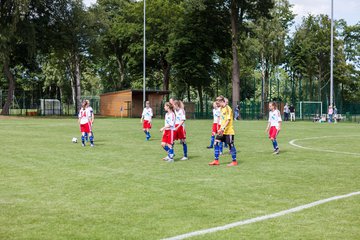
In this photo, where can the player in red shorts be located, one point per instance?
(85, 124)
(146, 117)
(180, 133)
(274, 125)
(168, 132)
(216, 124)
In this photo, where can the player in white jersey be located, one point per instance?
(85, 124)
(216, 124)
(168, 132)
(180, 133)
(92, 116)
(274, 125)
(146, 118)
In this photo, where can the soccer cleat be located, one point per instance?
(91, 145)
(83, 145)
(170, 160)
(184, 158)
(209, 147)
(233, 163)
(214, 163)
(276, 151)
(166, 158)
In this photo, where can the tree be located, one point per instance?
(242, 11)
(73, 34)
(271, 35)
(118, 30)
(12, 14)
(195, 45)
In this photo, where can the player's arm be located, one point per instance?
(92, 116)
(183, 118)
(79, 117)
(151, 114)
(279, 121)
(142, 117)
(268, 127)
(180, 124)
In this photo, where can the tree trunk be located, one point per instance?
(188, 93)
(235, 75)
(121, 68)
(77, 76)
(11, 88)
(166, 72)
(262, 83)
(166, 79)
(201, 98)
(267, 81)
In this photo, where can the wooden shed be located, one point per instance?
(129, 103)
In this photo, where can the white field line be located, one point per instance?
(261, 218)
(292, 142)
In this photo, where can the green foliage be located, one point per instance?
(309, 57)
(58, 47)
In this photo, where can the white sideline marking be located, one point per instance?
(261, 218)
(292, 142)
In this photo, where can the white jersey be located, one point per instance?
(90, 109)
(170, 120)
(84, 116)
(216, 114)
(180, 116)
(147, 114)
(274, 118)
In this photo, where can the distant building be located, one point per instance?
(129, 103)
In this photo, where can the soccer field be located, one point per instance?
(51, 188)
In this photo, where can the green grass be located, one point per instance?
(121, 189)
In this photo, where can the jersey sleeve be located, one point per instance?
(151, 112)
(183, 117)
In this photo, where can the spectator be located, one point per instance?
(236, 113)
(292, 113)
(335, 114)
(286, 112)
(330, 114)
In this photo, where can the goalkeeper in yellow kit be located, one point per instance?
(226, 132)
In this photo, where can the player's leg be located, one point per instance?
(230, 142)
(213, 133)
(185, 150)
(218, 142)
(272, 137)
(212, 140)
(83, 139)
(148, 133)
(166, 148)
(170, 153)
(91, 139)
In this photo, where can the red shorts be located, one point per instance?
(273, 132)
(85, 127)
(180, 133)
(146, 124)
(215, 128)
(168, 137)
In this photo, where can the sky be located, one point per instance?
(345, 9)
